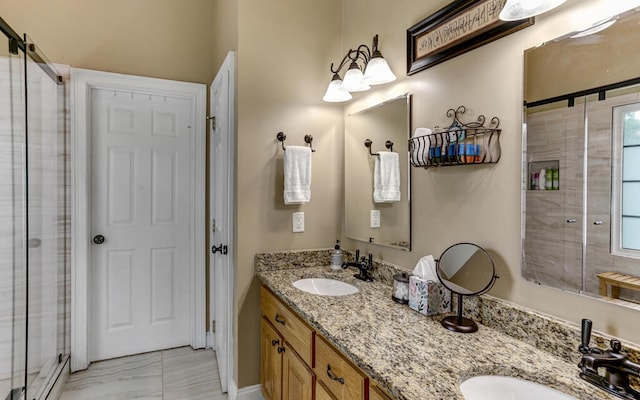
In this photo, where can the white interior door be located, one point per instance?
(221, 210)
(140, 222)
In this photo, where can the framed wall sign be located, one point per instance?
(455, 29)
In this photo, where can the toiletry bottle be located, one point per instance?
(336, 257)
(549, 179)
(556, 179)
(542, 179)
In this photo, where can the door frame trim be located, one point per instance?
(82, 82)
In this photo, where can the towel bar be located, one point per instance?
(308, 139)
(368, 142)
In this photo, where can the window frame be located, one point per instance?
(617, 164)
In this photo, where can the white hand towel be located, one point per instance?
(386, 177)
(297, 175)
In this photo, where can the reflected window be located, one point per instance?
(627, 172)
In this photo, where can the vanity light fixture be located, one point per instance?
(522, 9)
(375, 67)
(595, 28)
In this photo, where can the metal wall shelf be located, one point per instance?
(459, 144)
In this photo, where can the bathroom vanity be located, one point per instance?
(382, 349)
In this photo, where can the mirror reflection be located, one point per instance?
(467, 270)
(377, 179)
(582, 165)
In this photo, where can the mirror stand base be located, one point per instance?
(462, 325)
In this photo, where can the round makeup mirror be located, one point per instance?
(467, 270)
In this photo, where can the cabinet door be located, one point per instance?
(271, 347)
(297, 379)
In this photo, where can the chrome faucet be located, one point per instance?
(615, 363)
(363, 265)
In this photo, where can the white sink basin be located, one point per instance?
(495, 387)
(325, 287)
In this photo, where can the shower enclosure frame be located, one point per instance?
(40, 386)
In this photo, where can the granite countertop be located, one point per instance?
(411, 355)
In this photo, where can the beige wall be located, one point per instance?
(225, 29)
(157, 38)
(284, 49)
(479, 204)
(284, 52)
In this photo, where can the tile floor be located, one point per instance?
(175, 374)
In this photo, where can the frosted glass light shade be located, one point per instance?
(354, 80)
(595, 28)
(378, 72)
(521, 9)
(334, 94)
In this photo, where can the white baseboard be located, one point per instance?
(246, 393)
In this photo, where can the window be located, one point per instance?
(626, 183)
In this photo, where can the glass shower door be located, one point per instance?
(34, 221)
(46, 223)
(13, 290)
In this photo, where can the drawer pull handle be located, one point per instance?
(280, 350)
(279, 319)
(571, 221)
(275, 342)
(332, 376)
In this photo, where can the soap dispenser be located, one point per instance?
(336, 257)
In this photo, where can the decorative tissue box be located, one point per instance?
(428, 297)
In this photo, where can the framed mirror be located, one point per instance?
(581, 170)
(372, 214)
(467, 270)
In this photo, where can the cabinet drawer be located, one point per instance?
(297, 333)
(343, 380)
(376, 393)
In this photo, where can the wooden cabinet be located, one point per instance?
(343, 380)
(295, 363)
(297, 379)
(295, 331)
(271, 348)
(286, 352)
(322, 393)
(376, 393)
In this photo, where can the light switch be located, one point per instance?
(298, 222)
(375, 219)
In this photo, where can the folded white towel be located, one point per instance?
(297, 175)
(386, 177)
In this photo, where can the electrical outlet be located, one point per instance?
(298, 222)
(375, 219)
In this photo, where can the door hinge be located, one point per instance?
(213, 225)
(213, 326)
(212, 122)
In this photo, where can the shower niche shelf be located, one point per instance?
(459, 144)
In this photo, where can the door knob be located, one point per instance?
(222, 249)
(98, 239)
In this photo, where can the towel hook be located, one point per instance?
(281, 137)
(368, 142)
(308, 139)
